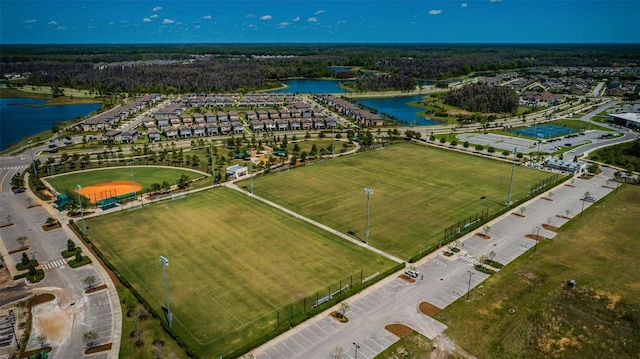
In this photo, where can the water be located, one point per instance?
(311, 86)
(398, 107)
(339, 68)
(23, 117)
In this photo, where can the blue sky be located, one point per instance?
(328, 21)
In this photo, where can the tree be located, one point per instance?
(89, 339)
(25, 259)
(522, 209)
(442, 140)
(492, 255)
(343, 309)
(568, 212)
(71, 245)
(486, 230)
(337, 353)
(42, 340)
(465, 144)
(78, 257)
(21, 241)
(89, 281)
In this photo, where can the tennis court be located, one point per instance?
(543, 131)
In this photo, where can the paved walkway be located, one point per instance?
(446, 279)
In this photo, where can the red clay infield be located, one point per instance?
(104, 190)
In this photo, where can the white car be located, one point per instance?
(412, 273)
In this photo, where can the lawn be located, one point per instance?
(144, 175)
(418, 191)
(234, 263)
(528, 310)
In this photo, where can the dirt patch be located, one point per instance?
(19, 250)
(608, 187)
(547, 198)
(399, 330)
(483, 236)
(33, 206)
(36, 351)
(534, 237)
(98, 349)
(527, 274)
(339, 317)
(406, 278)
(6, 225)
(519, 215)
(52, 322)
(429, 309)
(549, 227)
(98, 288)
(570, 185)
(105, 190)
(41, 298)
(563, 217)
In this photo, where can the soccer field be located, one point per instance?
(233, 262)
(418, 191)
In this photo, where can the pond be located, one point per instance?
(23, 117)
(311, 86)
(398, 107)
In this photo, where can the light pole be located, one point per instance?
(369, 192)
(469, 288)
(53, 171)
(513, 169)
(133, 183)
(535, 246)
(84, 226)
(586, 194)
(165, 262)
(213, 166)
(33, 163)
(356, 346)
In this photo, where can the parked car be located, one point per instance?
(412, 273)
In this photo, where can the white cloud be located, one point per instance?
(154, 16)
(111, 22)
(157, 8)
(464, 5)
(52, 23)
(297, 18)
(29, 21)
(435, 12)
(197, 27)
(284, 24)
(61, 28)
(251, 16)
(266, 17)
(319, 12)
(167, 21)
(312, 19)
(146, 19)
(207, 17)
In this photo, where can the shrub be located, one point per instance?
(482, 269)
(75, 263)
(493, 263)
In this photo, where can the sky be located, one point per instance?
(327, 21)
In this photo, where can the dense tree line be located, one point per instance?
(214, 68)
(483, 98)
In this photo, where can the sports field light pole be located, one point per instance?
(250, 177)
(13, 329)
(469, 288)
(513, 169)
(133, 183)
(84, 226)
(33, 163)
(369, 192)
(357, 347)
(165, 262)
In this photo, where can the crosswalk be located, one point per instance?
(12, 168)
(470, 259)
(53, 264)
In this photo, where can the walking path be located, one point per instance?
(446, 279)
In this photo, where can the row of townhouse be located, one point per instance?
(108, 118)
(362, 116)
(535, 98)
(235, 99)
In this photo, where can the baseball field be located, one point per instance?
(417, 192)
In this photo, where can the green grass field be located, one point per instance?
(144, 175)
(418, 191)
(600, 318)
(233, 263)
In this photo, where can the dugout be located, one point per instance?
(108, 203)
(127, 197)
(61, 201)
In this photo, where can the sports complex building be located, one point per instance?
(629, 119)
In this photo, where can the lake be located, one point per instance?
(311, 86)
(23, 117)
(397, 107)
